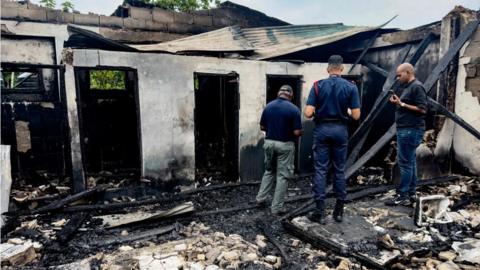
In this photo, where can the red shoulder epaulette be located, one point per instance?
(315, 86)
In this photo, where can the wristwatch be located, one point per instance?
(402, 104)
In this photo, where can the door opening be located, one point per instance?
(109, 121)
(216, 126)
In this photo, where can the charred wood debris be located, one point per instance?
(217, 225)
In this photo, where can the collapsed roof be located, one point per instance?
(262, 42)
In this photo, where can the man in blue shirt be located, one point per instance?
(331, 101)
(282, 123)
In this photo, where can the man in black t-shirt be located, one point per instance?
(411, 102)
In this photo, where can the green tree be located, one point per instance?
(182, 5)
(107, 79)
(48, 3)
(67, 6)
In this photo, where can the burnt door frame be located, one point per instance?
(57, 96)
(298, 102)
(236, 149)
(81, 124)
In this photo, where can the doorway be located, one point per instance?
(217, 107)
(109, 120)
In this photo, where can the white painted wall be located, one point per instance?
(166, 97)
(466, 147)
(58, 31)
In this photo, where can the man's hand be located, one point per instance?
(354, 113)
(309, 111)
(395, 100)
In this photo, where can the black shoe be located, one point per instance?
(338, 211)
(261, 204)
(318, 215)
(399, 200)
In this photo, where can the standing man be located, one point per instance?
(411, 102)
(331, 101)
(282, 123)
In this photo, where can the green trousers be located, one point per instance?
(279, 165)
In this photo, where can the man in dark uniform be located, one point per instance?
(331, 101)
(411, 102)
(282, 123)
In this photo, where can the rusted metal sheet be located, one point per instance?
(264, 42)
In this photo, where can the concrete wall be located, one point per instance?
(57, 31)
(166, 97)
(467, 105)
(31, 51)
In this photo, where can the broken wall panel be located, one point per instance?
(33, 118)
(467, 105)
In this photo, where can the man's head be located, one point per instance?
(405, 73)
(335, 64)
(286, 92)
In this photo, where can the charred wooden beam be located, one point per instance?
(465, 201)
(455, 118)
(69, 229)
(364, 51)
(266, 229)
(134, 237)
(375, 68)
(61, 203)
(372, 151)
(397, 38)
(175, 197)
(456, 45)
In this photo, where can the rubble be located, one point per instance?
(468, 250)
(18, 254)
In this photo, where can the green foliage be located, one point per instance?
(107, 79)
(67, 6)
(183, 5)
(48, 3)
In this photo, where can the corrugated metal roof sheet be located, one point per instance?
(263, 42)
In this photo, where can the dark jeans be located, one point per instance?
(330, 145)
(408, 139)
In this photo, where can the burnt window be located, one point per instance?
(104, 79)
(22, 80)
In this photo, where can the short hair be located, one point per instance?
(335, 61)
(286, 88)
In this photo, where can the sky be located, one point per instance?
(411, 13)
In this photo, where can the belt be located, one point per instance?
(326, 120)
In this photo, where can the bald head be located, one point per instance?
(405, 73)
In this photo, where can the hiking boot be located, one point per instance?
(338, 211)
(399, 200)
(318, 215)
